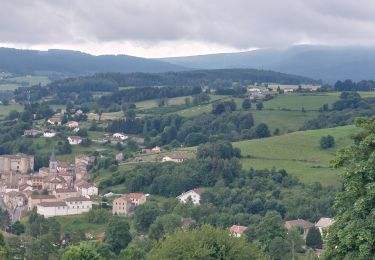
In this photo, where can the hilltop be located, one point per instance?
(73, 63)
(320, 62)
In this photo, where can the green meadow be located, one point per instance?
(298, 153)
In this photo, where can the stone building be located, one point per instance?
(21, 163)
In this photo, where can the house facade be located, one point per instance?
(323, 224)
(20, 162)
(122, 206)
(49, 133)
(74, 140)
(193, 195)
(70, 206)
(34, 200)
(120, 136)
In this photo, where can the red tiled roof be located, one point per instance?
(199, 190)
(52, 204)
(134, 195)
(298, 222)
(77, 199)
(237, 229)
(65, 190)
(43, 197)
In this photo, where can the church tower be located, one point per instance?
(53, 163)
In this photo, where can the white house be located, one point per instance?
(175, 158)
(254, 90)
(156, 149)
(288, 90)
(193, 195)
(55, 120)
(120, 136)
(86, 189)
(49, 133)
(71, 206)
(73, 140)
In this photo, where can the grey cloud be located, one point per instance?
(235, 23)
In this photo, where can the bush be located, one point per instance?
(313, 238)
(327, 142)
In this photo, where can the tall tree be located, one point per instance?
(352, 236)
(82, 252)
(205, 242)
(313, 238)
(117, 234)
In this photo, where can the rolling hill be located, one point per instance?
(320, 62)
(73, 63)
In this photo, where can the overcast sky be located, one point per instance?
(158, 28)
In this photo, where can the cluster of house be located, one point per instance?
(112, 138)
(68, 186)
(49, 133)
(323, 224)
(260, 93)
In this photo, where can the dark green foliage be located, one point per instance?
(352, 235)
(132, 253)
(259, 105)
(246, 104)
(205, 242)
(348, 85)
(81, 252)
(42, 248)
(98, 216)
(4, 218)
(139, 94)
(117, 234)
(163, 225)
(218, 150)
(65, 147)
(350, 100)
(262, 131)
(327, 142)
(17, 228)
(15, 249)
(221, 107)
(145, 215)
(267, 229)
(38, 226)
(194, 139)
(313, 238)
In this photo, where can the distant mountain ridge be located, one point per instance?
(74, 63)
(319, 62)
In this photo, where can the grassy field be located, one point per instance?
(74, 223)
(286, 121)
(295, 101)
(4, 110)
(147, 104)
(298, 153)
(31, 80)
(106, 116)
(8, 86)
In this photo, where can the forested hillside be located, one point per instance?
(64, 62)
